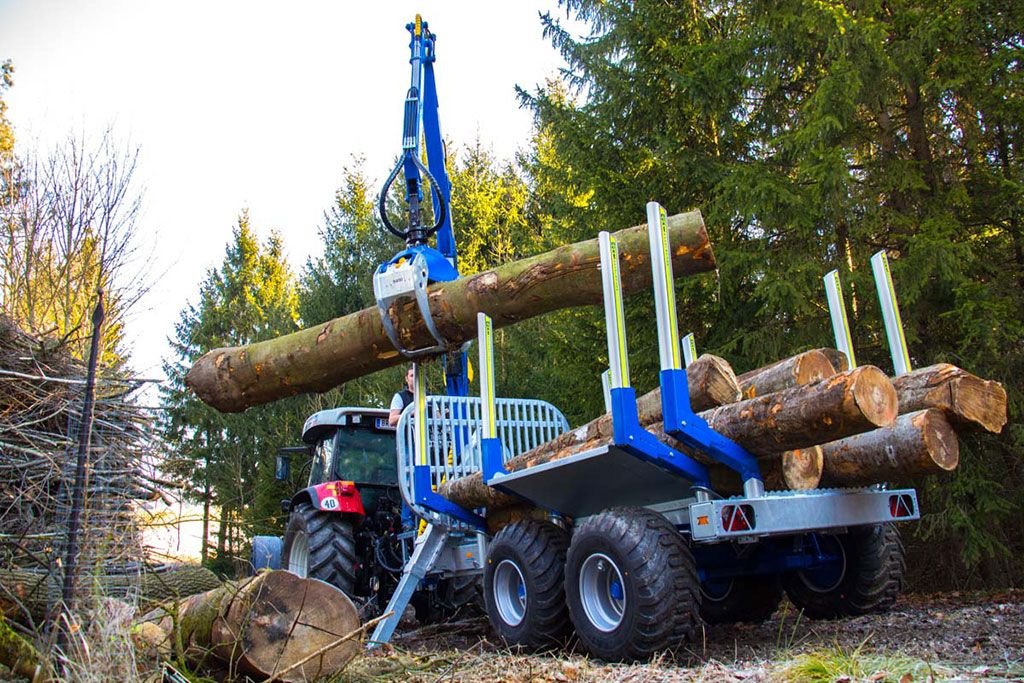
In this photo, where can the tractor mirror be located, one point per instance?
(283, 467)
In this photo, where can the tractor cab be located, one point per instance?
(353, 445)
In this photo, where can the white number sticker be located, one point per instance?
(329, 503)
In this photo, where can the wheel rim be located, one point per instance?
(298, 556)
(602, 592)
(510, 593)
(829, 577)
(717, 590)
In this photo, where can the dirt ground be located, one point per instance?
(950, 636)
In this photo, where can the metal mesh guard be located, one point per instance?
(453, 441)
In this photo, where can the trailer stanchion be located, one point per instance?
(679, 419)
(490, 445)
(689, 350)
(837, 312)
(890, 313)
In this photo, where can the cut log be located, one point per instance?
(264, 626)
(796, 470)
(802, 417)
(803, 368)
(29, 592)
(848, 403)
(837, 358)
(969, 401)
(918, 445)
(323, 357)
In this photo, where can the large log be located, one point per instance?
(803, 368)
(28, 592)
(266, 625)
(322, 357)
(798, 418)
(969, 401)
(917, 445)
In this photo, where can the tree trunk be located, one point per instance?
(322, 357)
(919, 444)
(837, 358)
(767, 426)
(24, 591)
(969, 401)
(263, 626)
(804, 368)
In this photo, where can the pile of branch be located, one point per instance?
(41, 392)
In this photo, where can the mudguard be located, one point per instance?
(333, 496)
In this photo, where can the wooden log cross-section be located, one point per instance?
(322, 357)
(274, 625)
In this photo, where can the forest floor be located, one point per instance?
(948, 636)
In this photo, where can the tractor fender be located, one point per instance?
(332, 496)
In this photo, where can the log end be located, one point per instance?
(802, 468)
(874, 395)
(939, 439)
(812, 366)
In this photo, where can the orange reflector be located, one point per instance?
(702, 520)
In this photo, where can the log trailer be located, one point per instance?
(628, 545)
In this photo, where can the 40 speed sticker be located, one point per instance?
(329, 503)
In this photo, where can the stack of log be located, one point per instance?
(809, 423)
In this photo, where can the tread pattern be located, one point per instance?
(660, 573)
(332, 548)
(875, 567)
(539, 549)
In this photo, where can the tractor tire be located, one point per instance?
(631, 584)
(869, 579)
(320, 545)
(524, 591)
(749, 599)
(266, 553)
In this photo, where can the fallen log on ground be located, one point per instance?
(798, 418)
(917, 445)
(803, 368)
(968, 400)
(27, 591)
(271, 626)
(21, 657)
(323, 357)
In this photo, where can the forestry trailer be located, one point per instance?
(627, 544)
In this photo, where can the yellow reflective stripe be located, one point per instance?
(896, 311)
(620, 322)
(670, 294)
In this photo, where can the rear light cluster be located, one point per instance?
(738, 518)
(901, 506)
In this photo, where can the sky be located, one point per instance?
(255, 105)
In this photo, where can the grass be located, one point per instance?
(836, 663)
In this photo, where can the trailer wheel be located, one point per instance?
(320, 545)
(750, 599)
(868, 579)
(524, 591)
(631, 584)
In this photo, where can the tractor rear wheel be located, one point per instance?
(631, 584)
(867, 578)
(524, 589)
(320, 545)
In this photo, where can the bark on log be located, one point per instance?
(919, 444)
(322, 357)
(803, 368)
(801, 417)
(263, 626)
(33, 592)
(18, 655)
(969, 401)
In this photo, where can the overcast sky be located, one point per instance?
(256, 105)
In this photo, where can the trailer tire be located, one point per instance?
(873, 567)
(746, 599)
(320, 545)
(524, 590)
(631, 584)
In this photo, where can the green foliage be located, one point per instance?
(839, 663)
(227, 460)
(812, 136)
